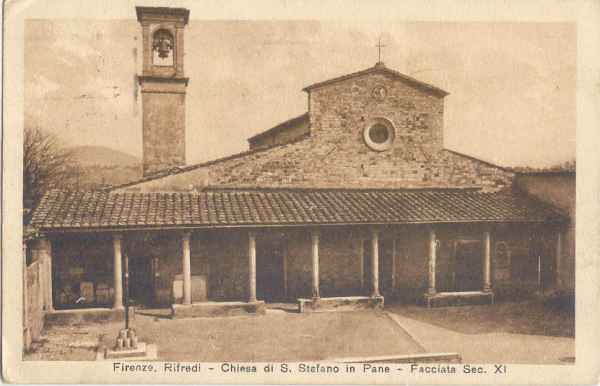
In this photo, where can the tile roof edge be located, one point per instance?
(112, 228)
(217, 188)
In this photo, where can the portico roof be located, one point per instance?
(62, 210)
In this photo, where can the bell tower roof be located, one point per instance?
(162, 13)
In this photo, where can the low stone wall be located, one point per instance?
(87, 315)
(348, 303)
(212, 309)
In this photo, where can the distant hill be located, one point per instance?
(96, 167)
(103, 156)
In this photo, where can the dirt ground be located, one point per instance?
(277, 336)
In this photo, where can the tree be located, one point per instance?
(46, 165)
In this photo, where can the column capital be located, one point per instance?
(315, 232)
(117, 236)
(375, 231)
(186, 234)
(252, 233)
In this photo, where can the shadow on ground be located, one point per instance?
(548, 317)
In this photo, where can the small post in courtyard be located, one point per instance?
(187, 272)
(431, 290)
(375, 262)
(558, 269)
(315, 263)
(487, 261)
(117, 272)
(252, 267)
(126, 343)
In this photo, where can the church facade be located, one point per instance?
(351, 203)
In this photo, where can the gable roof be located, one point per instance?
(380, 67)
(60, 210)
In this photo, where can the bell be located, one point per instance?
(164, 47)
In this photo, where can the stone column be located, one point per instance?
(285, 268)
(361, 254)
(42, 253)
(559, 249)
(251, 267)
(187, 269)
(394, 246)
(487, 261)
(375, 263)
(48, 262)
(117, 272)
(432, 257)
(315, 263)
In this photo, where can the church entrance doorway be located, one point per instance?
(141, 281)
(468, 265)
(270, 269)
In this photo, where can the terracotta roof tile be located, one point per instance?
(236, 207)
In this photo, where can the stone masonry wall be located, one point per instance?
(299, 264)
(163, 131)
(336, 156)
(339, 258)
(340, 112)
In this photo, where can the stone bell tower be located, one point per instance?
(163, 86)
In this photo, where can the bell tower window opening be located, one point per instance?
(163, 45)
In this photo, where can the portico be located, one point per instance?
(201, 261)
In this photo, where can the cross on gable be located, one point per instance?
(379, 47)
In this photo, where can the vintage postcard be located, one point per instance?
(301, 192)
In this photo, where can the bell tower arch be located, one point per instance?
(163, 86)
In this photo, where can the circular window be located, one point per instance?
(379, 134)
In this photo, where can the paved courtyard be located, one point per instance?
(523, 332)
(277, 336)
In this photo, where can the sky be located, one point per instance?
(512, 85)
